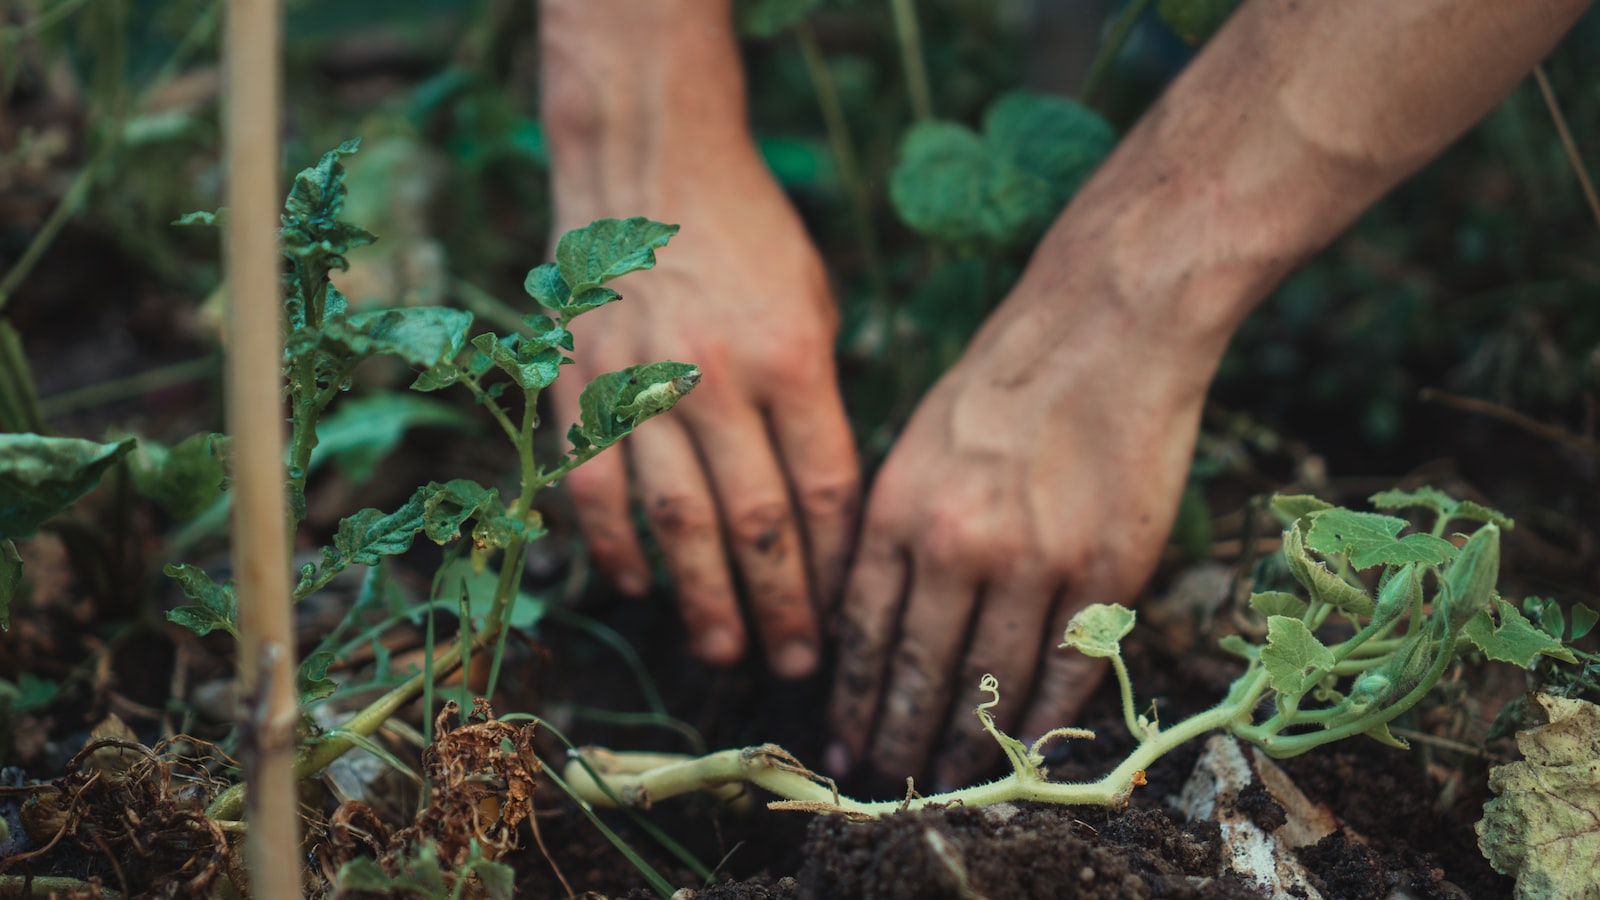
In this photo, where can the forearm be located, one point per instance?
(1294, 120)
(626, 85)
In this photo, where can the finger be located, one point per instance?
(678, 504)
(917, 699)
(818, 452)
(761, 531)
(873, 594)
(1006, 645)
(599, 493)
(1066, 677)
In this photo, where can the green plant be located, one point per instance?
(324, 343)
(1342, 661)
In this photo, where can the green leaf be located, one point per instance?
(371, 534)
(1098, 629)
(1513, 638)
(1370, 539)
(1238, 646)
(609, 248)
(1583, 621)
(211, 219)
(499, 880)
(545, 284)
(182, 480)
(1323, 585)
(1293, 507)
(532, 365)
(1004, 187)
(1277, 603)
(446, 506)
(1381, 733)
(1543, 825)
(362, 431)
(615, 403)
(311, 225)
(10, 579)
(769, 18)
(420, 873)
(1294, 659)
(1441, 504)
(1056, 139)
(216, 605)
(314, 683)
(1195, 20)
(459, 576)
(41, 476)
(423, 336)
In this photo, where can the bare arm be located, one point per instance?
(1043, 471)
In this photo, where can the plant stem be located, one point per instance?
(1111, 49)
(132, 386)
(843, 145)
(1567, 143)
(909, 37)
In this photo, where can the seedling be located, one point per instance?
(1339, 662)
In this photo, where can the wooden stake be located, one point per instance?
(268, 708)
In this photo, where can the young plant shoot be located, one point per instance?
(1338, 662)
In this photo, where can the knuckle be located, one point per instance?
(681, 516)
(763, 526)
(832, 497)
(963, 540)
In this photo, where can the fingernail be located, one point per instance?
(633, 582)
(836, 759)
(795, 659)
(718, 646)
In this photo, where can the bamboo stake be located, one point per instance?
(268, 711)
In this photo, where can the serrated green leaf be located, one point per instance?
(371, 534)
(1441, 504)
(1294, 659)
(1370, 539)
(592, 298)
(1195, 21)
(314, 683)
(531, 365)
(1543, 825)
(769, 18)
(311, 224)
(216, 605)
(41, 476)
(1098, 629)
(1277, 603)
(1291, 508)
(609, 248)
(362, 431)
(1323, 585)
(446, 506)
(10, 579)
(423, 336)
(499, 880)
(615, 403)
(1513, 638)
(182, 480)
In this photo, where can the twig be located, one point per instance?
(910, 39)
(1567, 142)
(1511, 417)
(268, 715)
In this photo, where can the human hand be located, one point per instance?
(1040, 474)
(758, 465)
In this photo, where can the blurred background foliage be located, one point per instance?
(1480, 276)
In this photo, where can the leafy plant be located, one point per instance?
(1339, 660)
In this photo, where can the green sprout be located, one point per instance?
(1341, 661)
